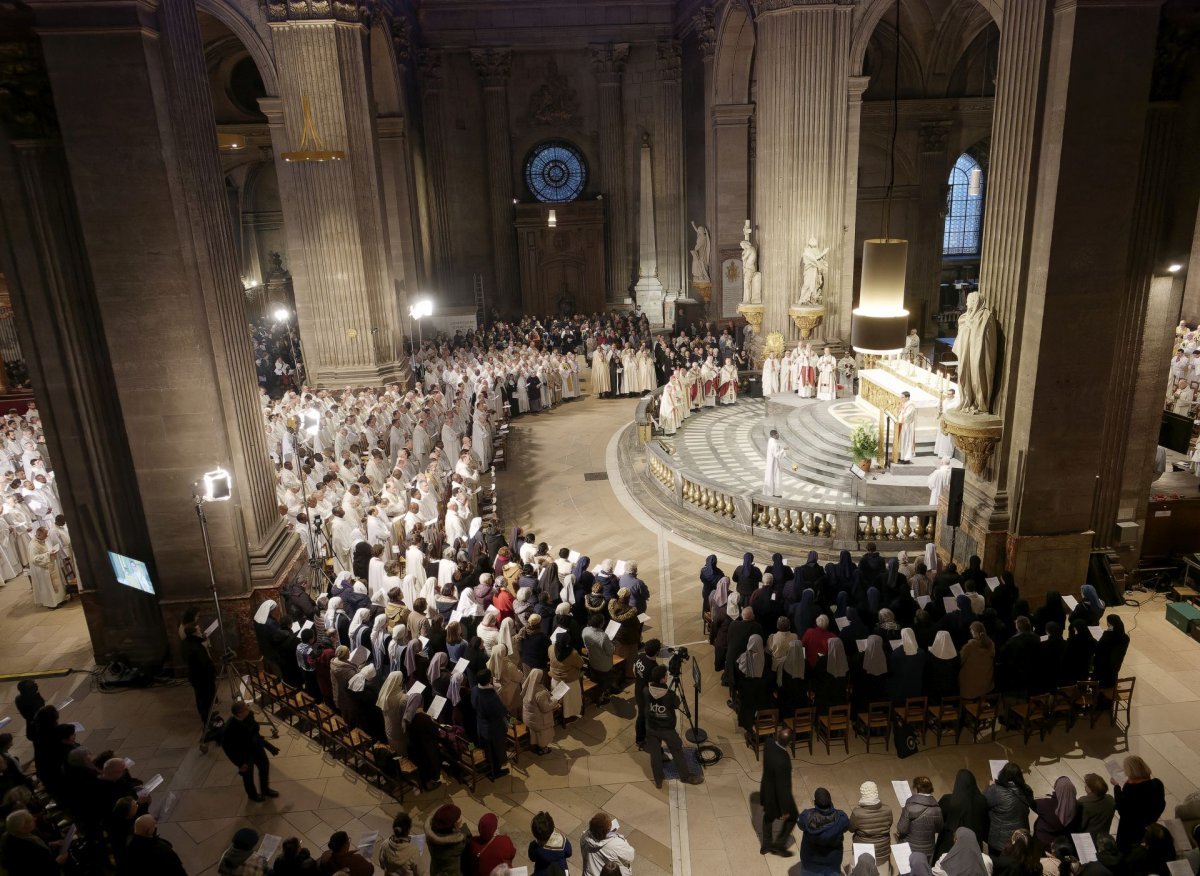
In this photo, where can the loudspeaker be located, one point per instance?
(955, 497)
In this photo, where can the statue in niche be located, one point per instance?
(751, 278)
(975, 346)
(816, 264)
(700, 255)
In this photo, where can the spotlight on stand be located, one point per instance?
(218, 485)
(281, 314)
(310, 421)
(880, 320)
(1174, 268)
(418, 310)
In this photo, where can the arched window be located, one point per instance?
(555, 173)
(961, 236)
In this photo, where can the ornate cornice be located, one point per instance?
(704, 24)
(762, 7)
(608, 61)
(349, 11)
(494, 66)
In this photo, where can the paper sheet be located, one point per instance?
(154, 782)
(861, 849)
(1179, 868)
(902, 852)
(269, 846)
(417, 689)
(560, 690)
(897, 644)
(165, 806)
(1045, 638)
(903, 792)
(643, 618)
(996, 766)
(359, 656)
(957, 590)
(1115, 772)
(1096, 632)
(455, 616)
(424, 640)
(572, 558)
(992, 582)
(460, 666)
(949, 603)
(842, 622)
(366, 845)
(435, 707)
(211, 628)
(518, 871)
(1072, 603)
(129, 763)
(1085, 848)
(612, 629)
(296, 628)
(922, 601)
(396, 549)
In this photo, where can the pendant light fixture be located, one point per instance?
(880, 321)
(311, 149)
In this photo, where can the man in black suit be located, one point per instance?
(775, 794)
(247, 749)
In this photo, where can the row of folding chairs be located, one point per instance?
(950, 717)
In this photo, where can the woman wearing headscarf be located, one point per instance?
(924, 628)
(963, 807)
(476, 656)
(379, 642)
(752, 684)
(537, 711)
(781, 573)
(869, 675)
(747, 577)
(1056, 814)
(821, 831)
(907, 668)
(1110, 653)
(488, 850)
(506, 677)
(871, 821)
(416, 669)
(842, 604)
(964, 857)
(360, 630)
(766, 603)
(581, 588)
(918, 864)
(566, 665)
(1077, 656)
(724, 609)
(977, 665)
(1091, 606)
(564, 620)
(790, 679)
(895, 581)
(845, 571)
(1004, 597)
(804, 613)
(363, 689)
(341, 670)
(830, 677)
(886, 627)
(277, 645)
(870, 614)
(958, 622)
(710, 576)
(1009, 802)
(438, 674)
(423, 749)
(391, 704)
(853, 631)
(941, 669)
(975, 574)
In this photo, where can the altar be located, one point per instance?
(879, 391)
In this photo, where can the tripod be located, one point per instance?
(707, 754)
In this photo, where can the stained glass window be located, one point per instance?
(961, 234)
(555, 173)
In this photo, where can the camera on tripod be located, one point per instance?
(676, 657)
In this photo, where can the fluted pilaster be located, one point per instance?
(608, 63)
(704, 25)
(433, 94)
(837, 319)
(669, 172)
(923, 290)
(494, 67)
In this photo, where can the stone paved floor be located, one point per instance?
(708, 829)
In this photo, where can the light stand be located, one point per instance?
(283, 316)
(218, 487)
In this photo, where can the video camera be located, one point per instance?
(676, 657)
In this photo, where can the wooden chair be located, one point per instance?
(981, 714)
(835, 724)
(518, 737)
(803, 724)
(765, 722)
(1062, 707)
(944, 717)
(707, 623)
(1032, 715)
(876, 721)
(913, 713)
(1115, 700)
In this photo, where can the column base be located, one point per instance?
(650, 294)
(1040, 563)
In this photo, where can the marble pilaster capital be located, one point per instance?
(856, 86)
(704, 24)
(976, 435)
(430, 63)
(494, 66)
(669, 63)
(349, 11)
(934, 135)
(608, 61)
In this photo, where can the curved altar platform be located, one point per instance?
(708, 476)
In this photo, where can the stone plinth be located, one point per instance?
(753, 314)
(976, 435)
(806, 318)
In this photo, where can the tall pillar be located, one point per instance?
(608, 63)
(433, 95)
(166, 311)
(703, 22)
(400, 207)
(668, 178)
(341, 273)
(649, 289)
(837, 319)
(731, 190)
(802, 65)
(494, 67)
(921, 295)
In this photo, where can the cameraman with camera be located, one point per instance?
(642, 668)
(661, 706)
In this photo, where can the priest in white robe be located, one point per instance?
(668, 412)
(776, 453)
(943, 445)
(907, 422)
(601, 385)
(341, 536)
(727, 385)
(48, 589)
(939, 481)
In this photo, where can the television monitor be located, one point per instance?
(130, 572)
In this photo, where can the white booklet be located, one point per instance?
(903, 792)
(560, 690)
(366, 845)
(902, 852)
(436, 706)
(957, 590)
(992, 582)
(612, 629)
(842, 622)
(269, 846)
(1085, 847)
(861, 849)
(949, 603)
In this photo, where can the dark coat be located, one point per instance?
(241, 741)
(1139, 804)
(152, 856)
(775, 789)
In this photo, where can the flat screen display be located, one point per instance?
(130, 572)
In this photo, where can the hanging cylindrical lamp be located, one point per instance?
(552, 220)
(975, 183)
(880, 320)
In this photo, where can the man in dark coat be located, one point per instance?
(247, 749)
(775, 794)
(149, 854)
(201, 673)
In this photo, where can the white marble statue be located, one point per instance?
(700, 255)
(816, 263)
(975, 348)
(751, 278)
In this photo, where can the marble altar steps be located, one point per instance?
(821, 441)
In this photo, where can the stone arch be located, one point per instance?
(251, 29)
(734, 58)
(869, 14)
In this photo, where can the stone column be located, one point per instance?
(802, 65)
(398, 186)
(433, 93)
(345, 299)
(167, 309)
(493, 67)
(668, 178)
(730, 206)
(706, 39)
(608, 63)
(931, 201)
(649, 289)
(837, 318)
